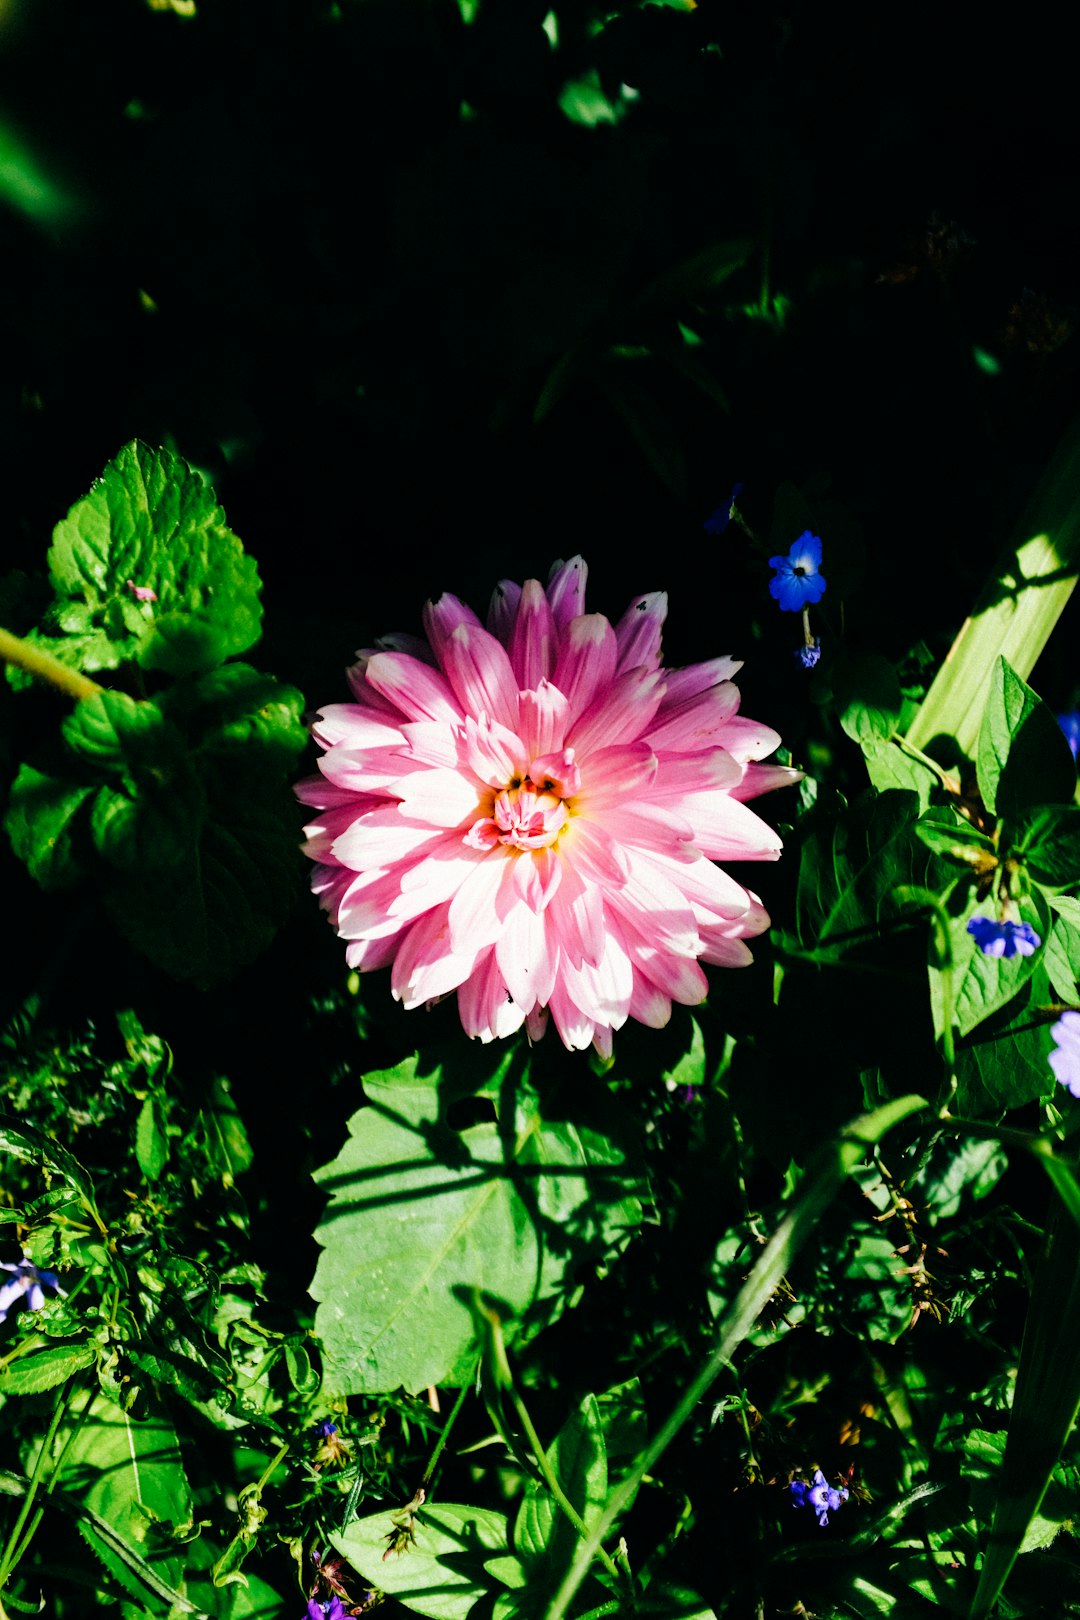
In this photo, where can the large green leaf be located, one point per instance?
(1063, 947)
(853, 864)
(42, 821)
(1004, 1065)
(152, 523)
(421, 1214)
(443, 1573)
(1048, 843)
(128, 1473)
(1022, 759)
(29, 1375)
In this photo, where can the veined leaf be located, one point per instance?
(421, 1214)
(443, 1573)
(152, 523)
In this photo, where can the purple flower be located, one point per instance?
(27, 1282)
(1065, 1062)
(718, 521)
(798, 583)
(1070, 725)
(809, 654)
(326, 1428)
(330, 1610)
(821, 1496)
(1003, 938)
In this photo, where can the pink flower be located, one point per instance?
(529, 814)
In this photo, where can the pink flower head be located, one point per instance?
(529, 814)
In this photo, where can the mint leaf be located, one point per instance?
(1022, 758)
(42, 822)
(151, 522)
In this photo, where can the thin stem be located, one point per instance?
(444, 1437)
(36, 661)
(551, 1480)
(10, 1559)
(948, 781)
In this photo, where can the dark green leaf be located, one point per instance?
(867, 696)
(543, 1536)
(949, 834)
(151, 521)
(42, 822)
(27, 1142)
(1047, 840)
(853, 864)
(1022, 759)
(190, 1377)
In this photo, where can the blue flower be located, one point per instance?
(798, 583)
(1065, 1062)
(1003, 938)
(809, 654)
(27, 1282)
(1070, 725)
(718, 521)
(821, 1496)
(326, 1428)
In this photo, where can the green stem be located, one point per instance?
(13, 1551)
(444, 1437)
(36, 661)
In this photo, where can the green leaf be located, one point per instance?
(443, 1574)
(227, 1146)
(238, 713)
(190, 1377)
(152, 521)
(868, 698)
(1022, 759)
(128, 1474)
(889, 767)
(29, 1375)
(946, 832)
(42, 822)
(151, 1140)
(28, 1143)
(981, 984)
(421, 1214)
(853, 863)
(1048, 842)
(544, 1538)
(1063, 947)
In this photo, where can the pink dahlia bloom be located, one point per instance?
(529, 814)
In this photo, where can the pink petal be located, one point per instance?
(724, 829)
(619, 715)
(587, 658)
(692, 773)
(418, 692)
(695, 724)
(747, 739)
(356, 726)
(763, 779)
(487, 1009)
(479, 671)
(648, 1004)
(533, 639)
(542, 719)
(478, 909)
(438, 798)
(380, 838)
(442, 615)
(695, 678)
(426, 966)
(525, 959)
(493, 752)
(537, 876)
(639, 631)
(566, 590)
(504, 606)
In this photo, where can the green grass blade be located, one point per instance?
(1044, 1406)
(1019, 608)
(822, 1182)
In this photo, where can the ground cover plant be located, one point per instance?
(540, 1048)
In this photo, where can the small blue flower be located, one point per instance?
(798, 583)
(325, 1429)
(809, 654)
(1065, 1062)
(821, 1496)
(1003, 938)
(718, 521)
(1070, 725)
(27, 1282)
